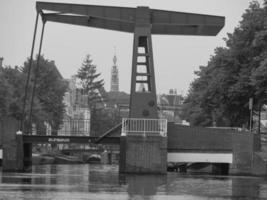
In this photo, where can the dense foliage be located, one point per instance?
(92, 86)
(103, 120)
(11, 87)
(50, 90)
(235, 73)
(48, 102)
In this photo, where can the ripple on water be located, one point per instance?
(104, 182)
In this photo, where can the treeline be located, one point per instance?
(220, 94)
(50, 89)
(48, 105)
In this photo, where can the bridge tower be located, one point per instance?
(143, 141)
(143, 148)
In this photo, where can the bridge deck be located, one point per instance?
(185, 144)
(68, 139)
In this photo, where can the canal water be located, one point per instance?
(97, 182)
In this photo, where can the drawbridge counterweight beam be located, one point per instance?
(124, 19)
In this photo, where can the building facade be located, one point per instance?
(77, 116)
(170, 106)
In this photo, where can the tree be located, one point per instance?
(48, 102)
(50, 89)
(11, 92)
(222, 89)
(93, 88)
(5, 95)
(103, 120)
(89, 81)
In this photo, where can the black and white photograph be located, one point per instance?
(133, 100)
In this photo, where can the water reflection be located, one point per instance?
(145, 186)
(12, 178)
(244, 187)
(104, 182)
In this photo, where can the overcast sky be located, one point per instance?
(175, 57)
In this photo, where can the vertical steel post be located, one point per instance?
(36, 73)
(28, 75)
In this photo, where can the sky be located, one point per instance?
(175, 57)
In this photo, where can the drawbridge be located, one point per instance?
(147, 142)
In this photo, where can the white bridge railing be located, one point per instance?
(144, 127)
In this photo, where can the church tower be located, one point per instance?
(114, 85)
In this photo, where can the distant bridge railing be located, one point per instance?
(144, 127)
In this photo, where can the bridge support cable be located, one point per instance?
(28, 75)
(36, 73)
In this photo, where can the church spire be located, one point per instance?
(114, 86)
(115, 58)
